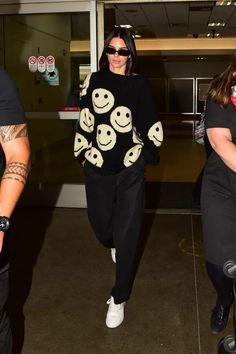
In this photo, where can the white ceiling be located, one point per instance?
(172, 19)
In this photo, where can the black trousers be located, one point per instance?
(222, 284)
(5, 330)
(115, 209)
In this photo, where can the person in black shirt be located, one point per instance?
(118, 133)
(15, 146)
(218, 197)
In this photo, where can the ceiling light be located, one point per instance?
(216, 24)
(225, 3)
(213, 34)
(123, 26)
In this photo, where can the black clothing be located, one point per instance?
(118, 122)
(11, 113)
(118, 133)
(223, 285)
(198, 184)
(218, 197)
(219, 318)
(5, 330)
(115, 211)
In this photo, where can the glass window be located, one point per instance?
(36, 51)
(50, 93)
(181, 95)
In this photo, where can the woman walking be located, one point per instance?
(118, 133)
(218, 197)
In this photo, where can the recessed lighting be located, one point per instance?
(216, 24)
(225, 3)
(213, 35)
(124, 26)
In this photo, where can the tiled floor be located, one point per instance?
(61, 278)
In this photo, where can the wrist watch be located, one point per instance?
(4, 223)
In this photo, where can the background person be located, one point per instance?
(118, 133)
(218, 197)
(15, 146)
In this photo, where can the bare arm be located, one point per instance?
(15, 144)
(221, 141)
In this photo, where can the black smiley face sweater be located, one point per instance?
(118, 122)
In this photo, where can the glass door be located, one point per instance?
(48, 55)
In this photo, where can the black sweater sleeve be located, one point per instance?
(147, 123)
(84, 125)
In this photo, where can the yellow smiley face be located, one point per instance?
(103, 100)
(132, 155)
(86, 120)
(155, 133)
(85, 85)
(80, 144)
(94, 156)
(121, 119)
(106, 137)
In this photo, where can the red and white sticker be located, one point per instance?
(41, 64)
(50, 63)
(33, 63)
(233, 95)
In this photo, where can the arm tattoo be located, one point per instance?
(10, 132)
(17, 171)
(22, 133)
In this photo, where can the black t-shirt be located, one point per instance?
(218, 175)
(11, 113)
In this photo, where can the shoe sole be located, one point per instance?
(112, 327)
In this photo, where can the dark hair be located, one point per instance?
(125, 34)
(220, 88)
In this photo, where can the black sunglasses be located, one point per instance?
(122, 52)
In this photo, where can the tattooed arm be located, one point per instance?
(15, 144)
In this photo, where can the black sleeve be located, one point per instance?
(84, 128)
(147, 123)
(11, 111)
(215, 117)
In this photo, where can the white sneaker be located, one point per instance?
(115, 313)
(113, 254)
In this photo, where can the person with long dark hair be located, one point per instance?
(218, 197)
(118, 133)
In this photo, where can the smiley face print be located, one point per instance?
(103, 100)
(106, 137)
(121, 119)
(136, 137)
(155, 134)
(94, 156)
(80, 144)
(85, 85)
(86, 120)
(132, 155)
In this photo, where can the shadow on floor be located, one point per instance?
(26, 240)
